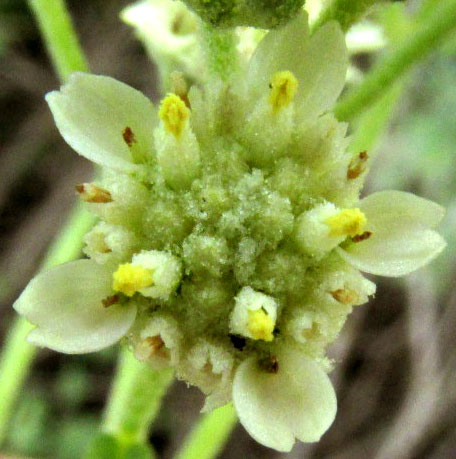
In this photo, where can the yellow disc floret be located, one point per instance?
(348, 222)
(128, 279)
(174, 114)
(260, 325)
(283, 89)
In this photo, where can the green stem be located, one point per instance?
(346, 12)
(371, 124)
(135, 399)
(58, 33)
(220, 49)
(432, 32)
(208, 437)
(17, 354)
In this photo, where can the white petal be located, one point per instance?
(402, 239)
(91, 112)
(398, 208)
(65, 303)
(297, 402)
(280, 49)
(324, 69)
(395, 254)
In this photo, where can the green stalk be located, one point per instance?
(59, 36)
(220, 50)
(346, 12)
(208, 437)
(17, 354)
(371, 124)
(135, 399)
(429, 35)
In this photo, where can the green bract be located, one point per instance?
(231, 233)
(257, 13)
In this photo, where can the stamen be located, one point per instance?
(311, 332)
(128, 136)
(283, 89)
(362, 237)
(348, 222)
(174, 114)
(260, 325)
(129, 278)
(110, 300)
(357, 165)
(151, 348)
(180, 87)
(155, 343)
(269, 364)
(92, 193)
(345, 296)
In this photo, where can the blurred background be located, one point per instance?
(396, 365)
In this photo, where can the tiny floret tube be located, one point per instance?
(254, 315)
(178, 153)
(152, 273)
(325, 226)
(159, 342)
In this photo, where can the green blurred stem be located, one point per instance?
(17, 354)
(60, 38)
(210, 434)
(220, 50)
(374, 121)
(346, 12)
(430, 33)
(135, 399)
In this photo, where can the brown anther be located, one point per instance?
(93, 193)
(312, 332)
(180, 87)
(110, 300)
(155, 343)
(345, 296)
(362, 237)
(270, 364)
(128, 136)
(103, 247)
(357, 165)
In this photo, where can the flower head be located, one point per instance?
(232, 233)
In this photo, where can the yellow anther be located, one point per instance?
(260, 325)
(348, 222)
(129, 278)
(283, 89)
(174, 114)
